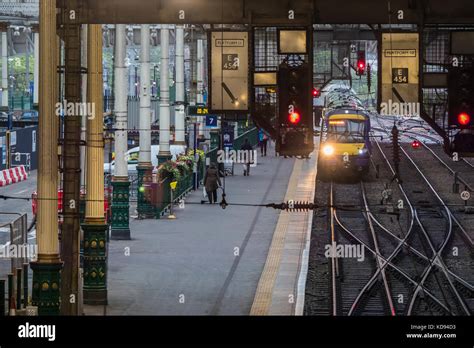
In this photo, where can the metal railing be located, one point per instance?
(14, 258)
(133, 178)
(161, 193)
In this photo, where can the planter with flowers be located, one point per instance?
(169, 170)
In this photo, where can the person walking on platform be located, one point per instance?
(212, 182)
(263, 141)
(248, 155)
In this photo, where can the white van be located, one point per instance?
(132, 158)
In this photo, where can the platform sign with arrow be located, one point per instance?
(229, 72)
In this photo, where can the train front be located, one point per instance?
(345, 143)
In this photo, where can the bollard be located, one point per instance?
(10, 288)
(25, 285)
(173, 186)
(12, 312)
(18, 288)
(2, 297)
(456, 183)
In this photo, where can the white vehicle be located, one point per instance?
(131, 157)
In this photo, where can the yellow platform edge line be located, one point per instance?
(263, 296)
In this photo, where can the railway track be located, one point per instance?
(463, 168)
(412, 272)
(353, 291)
(437, 230)
(382, 284)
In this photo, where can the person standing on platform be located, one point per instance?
(263, 140)
(212, 182)
(249, 149)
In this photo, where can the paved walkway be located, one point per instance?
(207, 262)
(282, 285)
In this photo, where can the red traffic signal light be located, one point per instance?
(316, 92)
(294, 118)
(416, 144)
(464, 119)
(360, 68)
(461, 97)
(361, 63)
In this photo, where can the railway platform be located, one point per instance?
(209, 261)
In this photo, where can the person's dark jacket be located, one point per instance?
(212, 180)
(246, 147)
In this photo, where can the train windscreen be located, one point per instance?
(346, 131)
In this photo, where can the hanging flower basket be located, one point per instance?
(202, 155)
(169, 170)
(188, 160)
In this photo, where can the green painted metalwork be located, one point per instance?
(163, 201)
(21, 102)
(95, 264)
(46, 288)
(252, 136)
(215, 139)
(120, 219)
(212, 155)
(144, 208)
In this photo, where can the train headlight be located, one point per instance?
(328, 150)
(363, 152)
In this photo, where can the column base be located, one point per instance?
(145, 178)
(95, 264)
(46, 287)
(120, 211)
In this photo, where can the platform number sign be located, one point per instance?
(229, 72)
(211, 121)
(400, 75)
(230, 62)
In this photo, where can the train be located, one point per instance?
(345, 136)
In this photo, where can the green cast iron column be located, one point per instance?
(95, 264)
(120, 210)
